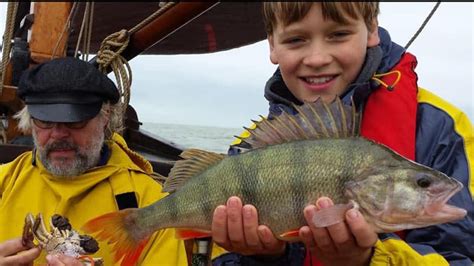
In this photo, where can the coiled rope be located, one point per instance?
(109, 55)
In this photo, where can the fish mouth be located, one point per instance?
(438, 207)
(451, 212)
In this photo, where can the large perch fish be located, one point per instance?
(292, 161)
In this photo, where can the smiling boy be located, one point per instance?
(320, 57)
(328, 48)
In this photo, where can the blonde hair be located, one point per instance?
(113, 111)
(289, 12)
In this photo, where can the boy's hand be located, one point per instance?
(345, 243)
(12, 252)
(236, 229)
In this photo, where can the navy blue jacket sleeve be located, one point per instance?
(439, 146)
(294, 255)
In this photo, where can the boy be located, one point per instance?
(329, 48)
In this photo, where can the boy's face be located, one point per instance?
(320, 58)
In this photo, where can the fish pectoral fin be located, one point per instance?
(331, 215)
(290, 236)
(187, 233)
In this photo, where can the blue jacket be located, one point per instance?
(444, 141)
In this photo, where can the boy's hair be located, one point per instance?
(289, 12)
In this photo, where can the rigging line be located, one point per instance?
(83, 26)
(423, 25)
(85, 23)
(89, 34)
(72, 13)
(12, 9)
(155, 14)
(186, 23)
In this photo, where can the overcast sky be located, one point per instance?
(226, 88)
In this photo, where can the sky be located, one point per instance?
(225, 89)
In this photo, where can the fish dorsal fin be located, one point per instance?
(314, 120)
(194, 162)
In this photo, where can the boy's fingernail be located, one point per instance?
(352, 214)
(262, 233)
(247, 212)
(324, 203)
(232, 202)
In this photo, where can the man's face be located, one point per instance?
(320, 58)
(68, 152)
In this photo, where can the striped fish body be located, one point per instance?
(287, 163)
(279, 180)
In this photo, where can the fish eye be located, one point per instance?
(423, 182)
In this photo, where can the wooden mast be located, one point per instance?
(48, 26)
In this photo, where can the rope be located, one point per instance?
(67, 25)
(109, 55)
(3, 131)
(163, 7)
(423, 25)
(392, 86)
(86, 29)
(81, 31)
(110, 51)
(7, 40)
(89, 34)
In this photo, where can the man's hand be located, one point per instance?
(62, 260)
(236, 229)
(12, 252)
(345, 243)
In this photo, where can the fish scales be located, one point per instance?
(307, 169)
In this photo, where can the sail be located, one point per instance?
(224, 26)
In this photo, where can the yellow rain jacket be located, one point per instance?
(28, 187)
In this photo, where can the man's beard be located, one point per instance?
(64, 168)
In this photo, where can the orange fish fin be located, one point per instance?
(291, 236)
(186, 233)
(119, 229)
(332, 215)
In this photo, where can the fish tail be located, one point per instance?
(120, 229)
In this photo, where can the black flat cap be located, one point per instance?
(65, 90)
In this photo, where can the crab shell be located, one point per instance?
(67, 242)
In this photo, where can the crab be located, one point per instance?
(61, 239)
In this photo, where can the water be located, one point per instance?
(208, 138)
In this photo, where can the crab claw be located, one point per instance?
(40, 231)
(27, 236)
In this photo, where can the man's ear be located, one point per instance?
(373, 38)
(273, 58)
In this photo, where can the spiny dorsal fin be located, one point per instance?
(194, 162)
(313, 121)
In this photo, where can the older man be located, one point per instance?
(79, 168)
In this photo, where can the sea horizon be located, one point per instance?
(210, 138)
